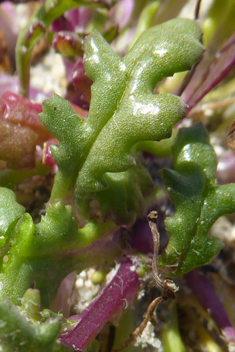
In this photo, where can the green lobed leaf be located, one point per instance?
(124, 198)
(10, 214)
(37, 253)
(123, 110)
(22, 329)
(199, 201)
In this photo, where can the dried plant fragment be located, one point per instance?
(168, 287)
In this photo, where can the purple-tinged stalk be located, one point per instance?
(79, 18)
(75, 20)
(207, 76)
(116, 296)
(142, 239)
(79, 84)
(206, 295)
(122, 12)
(37, 27)
(61, 24)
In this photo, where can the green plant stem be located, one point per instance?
(218, 14)
(122, 332)
(10, 178)
(161, 149)
(171, 339)
(35, 29)
(43, 257)
(93, 231)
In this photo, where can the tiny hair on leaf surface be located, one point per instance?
(199, 201)
(123, 110)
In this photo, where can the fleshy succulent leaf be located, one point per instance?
(32, 254)
(132, 112)
(199, 201)
(124, 198)
(9, 215)
(22, 329)
(123, 110)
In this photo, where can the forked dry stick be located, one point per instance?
(168, 287)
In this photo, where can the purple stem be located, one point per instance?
(142, 238)
(79, 18)
(73, 20)
(207, 76)
(79, 92)
(121, 13)
(119, 293)
(206, 295)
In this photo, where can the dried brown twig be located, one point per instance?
(168, 287)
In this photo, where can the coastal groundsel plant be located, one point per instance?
(103, 186)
